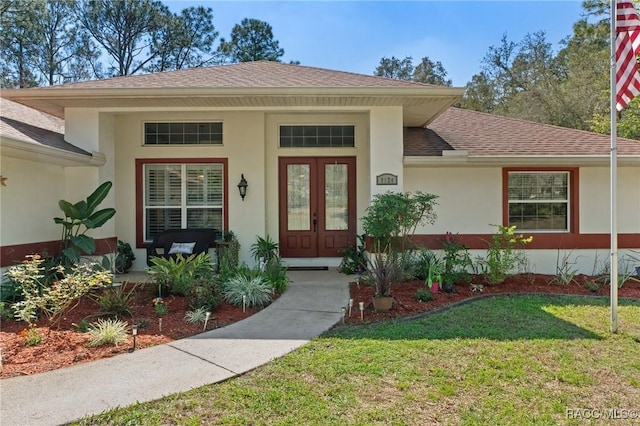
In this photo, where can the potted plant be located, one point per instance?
(124, 257)
(382, 272)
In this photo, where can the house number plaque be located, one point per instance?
(387, 179)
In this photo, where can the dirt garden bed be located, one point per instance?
(406, 304)
(62, 346)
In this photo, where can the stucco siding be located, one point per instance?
(469, 199)
(29, 202)
(595, 201)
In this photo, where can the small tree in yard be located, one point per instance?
(396, 215)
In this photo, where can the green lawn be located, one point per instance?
(523, 361)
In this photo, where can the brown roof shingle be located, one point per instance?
(259, 74)
(28, 125)
(483, 134)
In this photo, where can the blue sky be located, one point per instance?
(354, 35)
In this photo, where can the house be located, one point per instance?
(314, 146)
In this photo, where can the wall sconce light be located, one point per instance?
(242, 187)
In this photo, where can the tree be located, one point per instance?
(431, 72)
(427, 71)
(251, 40)
(185, 41)
(480, 94)
(18, 38)
(64, 53)
(124, 29)
(520, 80)
(400, 69)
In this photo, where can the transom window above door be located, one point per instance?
(183, 133)
(321, 136)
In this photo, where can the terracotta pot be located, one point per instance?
(382, 303)
(434, 287)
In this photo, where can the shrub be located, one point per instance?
(61, 297)
(205, 293)
(264, 249)
(424, 295)
(176, 275)
(196, 316)
(397, 215)
(276, 275)
(504, 253)
(107, 331)
(116, 301)
(455, 261)
(256, 291)
(80, 218)
(354, 259)
(229, 254)
(424, 259)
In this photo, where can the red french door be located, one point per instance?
(317, 203)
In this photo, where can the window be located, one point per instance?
(539, 201)
(189, 133)
(189, 194)
(317, 136)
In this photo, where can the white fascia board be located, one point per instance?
(514, 161)
(45, 154)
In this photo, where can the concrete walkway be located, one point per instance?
(311, 305)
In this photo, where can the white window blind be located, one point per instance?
(182, 196)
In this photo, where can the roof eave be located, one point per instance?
(519, 161)
(16, 148)
(52, 99)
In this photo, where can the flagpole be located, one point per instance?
(613, 281)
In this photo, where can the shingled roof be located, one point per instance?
(27, 125)
(258, 74)
(482, 134)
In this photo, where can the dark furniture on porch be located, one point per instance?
(189, 241)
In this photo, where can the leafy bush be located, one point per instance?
(265, 249)
(229, 254)
(196, 316)
(256, 291)
(424, 295)
(456, 261)
(354, 259)
(425, 259)
(116, 301)
(397, 215)
(61, 297)
(205, 293)
(176, 275)
(276, 275)
(504, 254)
(107, 331)
(5, 311)
(78, 219)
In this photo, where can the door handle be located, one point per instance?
(315, 222)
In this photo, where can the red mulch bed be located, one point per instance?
(406, 305)
(62, 346)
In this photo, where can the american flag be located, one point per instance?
(627, 49)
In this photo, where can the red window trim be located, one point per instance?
(140, 162)
(574, 196)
